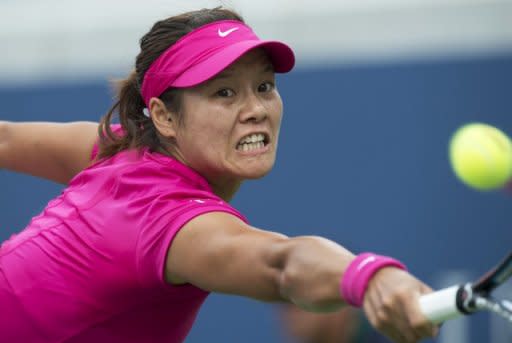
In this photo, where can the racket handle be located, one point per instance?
(441, 305)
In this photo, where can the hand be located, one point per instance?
(392, 307)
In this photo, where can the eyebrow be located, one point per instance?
(224, 75)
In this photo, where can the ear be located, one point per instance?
(162, 118)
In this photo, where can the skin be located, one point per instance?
(240, 101)
(247, 261)
(53, 151)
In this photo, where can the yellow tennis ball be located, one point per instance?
(481, 156)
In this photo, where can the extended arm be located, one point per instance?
(237, 259)
(54, 151)
(229, 256)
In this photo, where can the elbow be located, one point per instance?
(310, 296)
(288, 282)
(307, 280)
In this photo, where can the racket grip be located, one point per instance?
(441, 305)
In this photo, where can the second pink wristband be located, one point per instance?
(359, 272)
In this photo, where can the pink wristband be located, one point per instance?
(359, 272)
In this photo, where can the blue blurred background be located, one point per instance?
(363, 150)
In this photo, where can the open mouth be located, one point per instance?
(254, 141)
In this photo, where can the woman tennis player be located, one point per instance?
(131, 248)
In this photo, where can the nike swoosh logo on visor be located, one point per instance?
(226, 33)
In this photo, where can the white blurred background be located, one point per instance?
(67, 39)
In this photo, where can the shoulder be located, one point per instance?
(154, 184)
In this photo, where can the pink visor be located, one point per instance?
(203, 53)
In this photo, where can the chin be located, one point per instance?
(258, 172)
(256, 176)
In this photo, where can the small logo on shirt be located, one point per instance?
(364, 262)
(226, 33)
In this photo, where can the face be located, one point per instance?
(231, 122)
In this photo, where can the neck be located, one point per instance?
(223, 188)
(227, 190)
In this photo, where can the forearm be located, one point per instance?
(312, 281)
(7, 160)
(311, 270)
(22, 150)
(54, 151)
(4, 131)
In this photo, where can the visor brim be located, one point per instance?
(281, 56)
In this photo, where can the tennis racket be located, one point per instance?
(455, 301)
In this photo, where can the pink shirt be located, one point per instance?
(90, 268)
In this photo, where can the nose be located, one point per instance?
(253, 109)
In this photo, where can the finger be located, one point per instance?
(420, 325)
(418, 319)
(396, 336)
(387, 330)
(433, 328)
(392, 317)
(370, 305)
(414, 325)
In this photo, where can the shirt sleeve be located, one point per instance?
(156, 238)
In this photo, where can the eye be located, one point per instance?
(225, 93)
(266, 87)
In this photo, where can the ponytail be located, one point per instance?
(137, 129)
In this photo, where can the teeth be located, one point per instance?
(251, 146)
(251, 142)
(256, 137)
